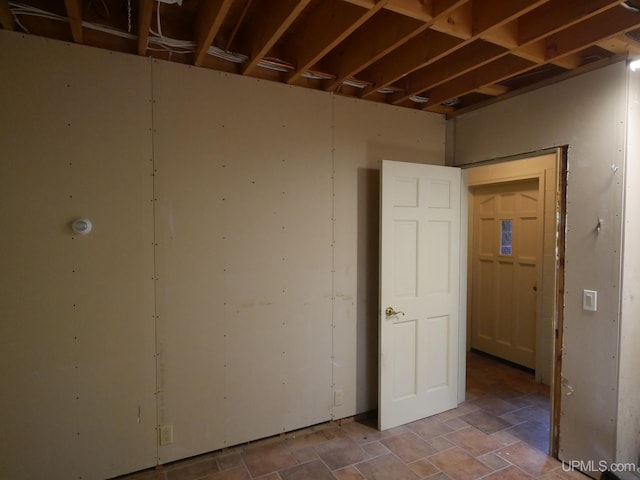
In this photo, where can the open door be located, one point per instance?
(419, 291)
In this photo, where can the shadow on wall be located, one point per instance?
(367, 293)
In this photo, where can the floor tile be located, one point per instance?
(424, 468)
(493, 461)
(528, 458)
(509, 473)
(494, 405)
(239, 473)
(533, 433)
(387, 467)
(267, 459)
(459, 465)
(192, 471)
(315, 470)
(348, 473)
(408, 446)
(429, 427)
(340, 452)
(304, 455)
(473, 441)
(375, 449)
(228, 462)
(440, 443)
(485, 421)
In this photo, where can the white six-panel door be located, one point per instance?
(419, 282)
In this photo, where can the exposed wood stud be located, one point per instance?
(210, 16)
(6, 17)
(333, 22)
(275, 20)
(145, 12)
(74, 13)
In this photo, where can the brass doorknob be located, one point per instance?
(390, 312)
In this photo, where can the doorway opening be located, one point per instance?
(514, 290)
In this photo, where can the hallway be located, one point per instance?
(499, 433)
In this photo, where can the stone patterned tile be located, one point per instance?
(340, 452)
(408, 446)
(239, 473)
(304, 455)
(485, 421)
(440, 443)
(533, 433)
(228, 462)
(493, 461)
(315, 470)
(459, 465)
(429, 427)
(192, 470)
(386, 467)
(494, 405)
(509, 473)
(349, 473)
(528, 458)
(375, 449)
(473, 441)
(267, 459)
(424, 468)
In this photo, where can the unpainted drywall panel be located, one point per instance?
(364, 135)
(586, 113)
(77, 311)
(243, 226)
(628, 439)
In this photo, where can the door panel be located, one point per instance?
(507, 236)
(419, 279)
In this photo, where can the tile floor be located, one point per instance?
(499, 433)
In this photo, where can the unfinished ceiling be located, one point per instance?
(445, 56)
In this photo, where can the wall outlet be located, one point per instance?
(165, 434)
(338, 397)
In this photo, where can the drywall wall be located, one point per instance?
(363, 135)
(243, 226)
(229, 287)
(628, 441)
(586, 113)
(77, 331)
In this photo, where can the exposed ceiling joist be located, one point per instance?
(442, 56)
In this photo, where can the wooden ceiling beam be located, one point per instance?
(591, 31)
(420, 51)
(376, 39)
(458, 63)
(392, 68)
(330, 24)
(145, 12)
(491, 73)
(458, 23)
(558, 15)
(493, 90)
(369, 44)
(74, 14)
(6, 17)
(211, 14)
(273, 22)
(494, 13)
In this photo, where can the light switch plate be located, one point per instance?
(590, 300)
